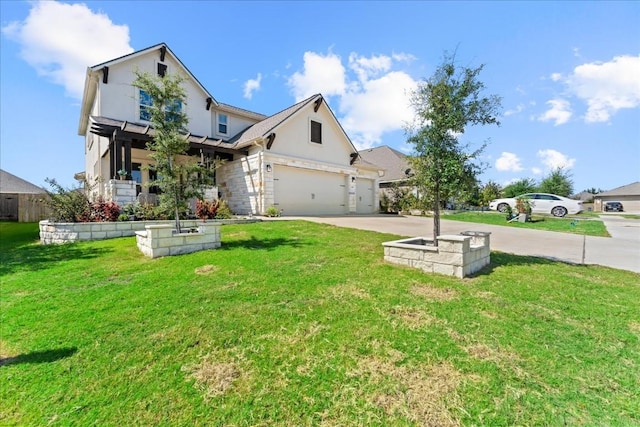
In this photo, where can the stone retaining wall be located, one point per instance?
(67, 232)
(456, 255)
(162, 240)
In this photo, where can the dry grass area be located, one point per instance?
(213, 377)
(423, 394)
(434, 293)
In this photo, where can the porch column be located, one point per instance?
(127, 157)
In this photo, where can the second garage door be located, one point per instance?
(307, 192)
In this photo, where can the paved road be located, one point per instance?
(621, 250)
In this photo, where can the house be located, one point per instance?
(395, 174)
(299, 160)
(628, 195)
(20, 200)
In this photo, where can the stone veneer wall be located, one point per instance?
(455, 255)
(161, 240)
(241, 184)
(67, 232)
(123, 192)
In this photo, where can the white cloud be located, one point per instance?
(508, 162)
(321, 74)
(60, 40)
(553, 159)
(519, 109)
(536, 171)
(373, 98)
(607, 87)
(251, 86)
(560, 112)
(556, 77)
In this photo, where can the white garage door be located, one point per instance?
(307, 192)
(365, 196)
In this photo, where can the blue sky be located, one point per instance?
(568, 73)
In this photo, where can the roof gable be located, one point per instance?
(10, 183)
(395, 163)
(632, 189)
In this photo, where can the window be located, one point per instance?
(145, 106)
(136, 175)
(222, 123)
(146, 103)
(316, 132)
(173, 110)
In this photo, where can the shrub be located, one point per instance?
(206, 209)
(102, 210)
(123, 217)
(272, 211)
(67, 204)
(223, 212)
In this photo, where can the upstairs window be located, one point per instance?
(145, 106)
(316, 132)
(146, 103)
(222, 123)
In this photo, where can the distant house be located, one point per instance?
(299, 160)
(628, 195)
(395, 172)
(20, 200)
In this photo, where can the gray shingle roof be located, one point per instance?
(392, 161)
(632, 189)
(10, 183)
(262, 128)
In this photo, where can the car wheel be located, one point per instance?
(559, 211)
(502, 207)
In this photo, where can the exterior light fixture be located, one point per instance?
(268, 167)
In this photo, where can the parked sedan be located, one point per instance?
(541, 203)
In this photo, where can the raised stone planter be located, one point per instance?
(456, 255)
(68, 232)
(162, 240)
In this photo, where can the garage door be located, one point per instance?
(365, 196)
(307, 192)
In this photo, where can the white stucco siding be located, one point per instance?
(119, 99)
(309, 192)
(293, 138)
(235, 125)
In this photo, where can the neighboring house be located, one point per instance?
(395, 171)
(299, 160)
(628, 195)
(20, 200)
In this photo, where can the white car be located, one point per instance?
(541, 203)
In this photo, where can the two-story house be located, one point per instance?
(299, 159)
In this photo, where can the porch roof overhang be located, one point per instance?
(107, 127)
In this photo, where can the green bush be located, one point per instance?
(272, 211)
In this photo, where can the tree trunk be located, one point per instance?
(436, 217)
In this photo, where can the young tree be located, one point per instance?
(445, 105)
(491, 190)
(179, 178)
(558, 182)
(522, 186)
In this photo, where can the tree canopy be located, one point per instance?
(521, 186)
(445, 105)
(557, 182)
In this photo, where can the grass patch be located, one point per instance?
(575, 224)
(296, 323)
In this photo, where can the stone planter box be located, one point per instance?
(456, 255)
(68, 232)
(162, 240)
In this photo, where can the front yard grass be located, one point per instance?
(577, 224)
(296, 323)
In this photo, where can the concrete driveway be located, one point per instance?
(621, 250)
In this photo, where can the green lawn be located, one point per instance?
(296, 323)
(577, 224)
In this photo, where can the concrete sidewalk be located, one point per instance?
(621, 251)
